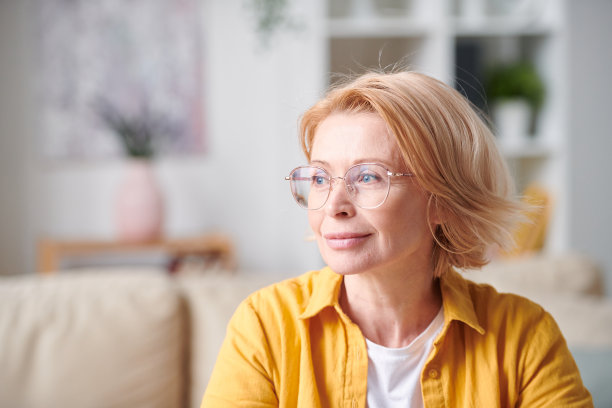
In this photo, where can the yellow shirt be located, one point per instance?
(291, 345)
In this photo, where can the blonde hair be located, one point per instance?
(448, 147)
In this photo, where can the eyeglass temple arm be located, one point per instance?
(298, 178)
(388, 173)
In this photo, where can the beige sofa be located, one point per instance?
(120, 338)
(139, 338)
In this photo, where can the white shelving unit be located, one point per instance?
(434, 36)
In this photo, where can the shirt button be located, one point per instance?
(359, 354)
(354, 404)
(433, 373)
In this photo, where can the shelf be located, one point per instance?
(499, 26)
(378, 27)
(462, 40)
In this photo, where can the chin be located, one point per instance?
(344, 271)
(345, 264)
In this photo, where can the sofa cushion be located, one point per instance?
(585, 321)
(568, 285)
(558, 274)
(89, 340)
(212, 300)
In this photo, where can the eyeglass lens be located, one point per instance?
(367, 185)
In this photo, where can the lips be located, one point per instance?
(345, 240)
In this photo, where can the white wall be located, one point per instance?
(13, 139)
(253, 98)
(590, 67)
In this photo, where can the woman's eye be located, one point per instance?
(367, 178)
(319, 180)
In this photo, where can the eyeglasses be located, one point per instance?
(367, 185)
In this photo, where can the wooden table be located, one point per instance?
(215, 248)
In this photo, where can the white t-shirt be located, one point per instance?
(394, 373)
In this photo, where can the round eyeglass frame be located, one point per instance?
(346, 187)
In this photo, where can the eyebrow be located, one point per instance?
(360, 161)
(322, 162)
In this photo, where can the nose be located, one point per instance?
(339, 203)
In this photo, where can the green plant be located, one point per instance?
(139, 135)
(271, 16)
(518, 80)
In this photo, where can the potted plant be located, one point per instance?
(139, 207)
(516, 93)
(271, 16)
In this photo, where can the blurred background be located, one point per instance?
(218, 87)
(145, 136)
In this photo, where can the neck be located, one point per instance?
(391, 308)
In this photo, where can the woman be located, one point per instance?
(404, 184)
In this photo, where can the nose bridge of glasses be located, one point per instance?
(349, 187)
(333, 180)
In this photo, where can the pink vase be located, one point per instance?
(140, 209)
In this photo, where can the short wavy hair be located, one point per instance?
(451, 151)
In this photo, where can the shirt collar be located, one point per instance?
(326, 287)
(456, 299)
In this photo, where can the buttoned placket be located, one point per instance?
(431, 381)
(356, 379)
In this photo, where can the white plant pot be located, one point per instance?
(512, 119)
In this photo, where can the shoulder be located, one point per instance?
(518, 309)
(515, 317)
(485, 296)
(292, 297)
(521, 337)
(482, 305)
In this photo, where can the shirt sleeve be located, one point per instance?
(550, 375)
(242, 376)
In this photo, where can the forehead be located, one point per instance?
(343, 139)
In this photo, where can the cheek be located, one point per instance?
(404, 220)
(314, 220)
